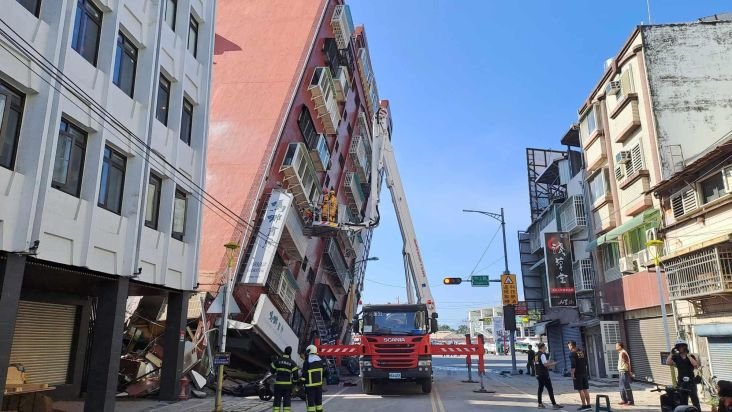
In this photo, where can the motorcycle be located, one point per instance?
(265, 388)
(671, 400)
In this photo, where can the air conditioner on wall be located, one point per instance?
(627, 265)
(622, 157)
(644, 258)
(614, 86)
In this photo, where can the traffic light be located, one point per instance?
(452, 281)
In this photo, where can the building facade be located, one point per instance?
(289, 149)
(103, 109)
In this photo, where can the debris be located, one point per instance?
(198, 394)
(143, 388)
(198, 380)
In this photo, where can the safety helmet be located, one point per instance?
(681, 342)
(312, 350)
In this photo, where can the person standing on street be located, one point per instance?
(542, 366)
(625, 371)
(313, 372)
(285, 371)
(685, 364)
(530, 370)
(579, 375)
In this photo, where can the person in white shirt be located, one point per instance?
(625, 371)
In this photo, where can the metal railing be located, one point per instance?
(584, 275)
(572, 214)
(701, 273)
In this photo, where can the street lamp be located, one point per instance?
(501, 218)
(230, 259)
(655, 245)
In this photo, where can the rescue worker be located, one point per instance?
(313, 373)
(330, 207)
(285, 371)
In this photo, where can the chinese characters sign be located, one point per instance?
(270, 324)
(560, 281)
(265, 247)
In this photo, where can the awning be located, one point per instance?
(697, 246)
(537, 264)
(540, 327)
(713, 330)
(588, 323)
(651, 216)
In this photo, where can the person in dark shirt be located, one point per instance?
(579, 375)
(685, 364)
(542, 365)
(530, 370)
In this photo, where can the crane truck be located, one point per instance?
(395, 345)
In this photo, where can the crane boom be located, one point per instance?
(384, 165)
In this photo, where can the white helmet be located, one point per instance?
(680, 342)
(311, 350)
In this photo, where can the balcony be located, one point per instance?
(625, 118)
(356, 196)
(361, 158)
(294, 241)
(595, 154)
(299, 173)
(700, 274)
(319, 153)
(572, 214)
(338, 266)
(584, 275)
(367, 81)
(322, 91)
(603, 218)
(281, 287)
(364, 126)
(342, 83)
(342, 25)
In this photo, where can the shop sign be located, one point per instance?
(270, 233)
(560, 280)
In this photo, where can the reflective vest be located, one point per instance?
(285, 370)
(313, 371)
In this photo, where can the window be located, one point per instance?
(193, 36)
(179, 214)
(350, 129)
(684, 202)
(68, 167)
(186, 122)
(307, 128)
(298, 322)
(152, 204)
(327, 181)
(125, 65)
(712, 188)
(170, 8)
(335, 148)
(113, 180)
(33, 6)
(635, 239)
(341, 160)
(610, 256)
(304, 264)
(589, 124)
(330, 49)
(598, 186)
(87, 26)
(161, 109)
(636, 161)
(11, 114)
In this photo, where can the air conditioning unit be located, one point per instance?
(644, 258)
(652, 234)
(627, 264)
(614, 86)
(622, 157)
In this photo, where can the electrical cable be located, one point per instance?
(485, 250)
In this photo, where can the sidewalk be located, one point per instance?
(230, 404)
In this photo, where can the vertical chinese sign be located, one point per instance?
(557, 250)
(270, 232)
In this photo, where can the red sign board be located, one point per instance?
(522, 309)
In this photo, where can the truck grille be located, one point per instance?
(395, 356)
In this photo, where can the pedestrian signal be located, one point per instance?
(452, 281)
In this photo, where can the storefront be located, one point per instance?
(646, 342)
(719, 346)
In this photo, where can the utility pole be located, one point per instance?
(228, 286)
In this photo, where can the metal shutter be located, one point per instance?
(720, 349)
(43, 340)
(558, 336)
(645, 344)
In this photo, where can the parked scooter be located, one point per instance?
(265, 388)
(671, 400)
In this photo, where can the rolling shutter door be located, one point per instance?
(43, 339)
(569, 333)
(720, 349)
(645, 344)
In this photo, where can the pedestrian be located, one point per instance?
(530, 370)
(724, 393)
(686, 364)
(579, 374)
(625, 370)
(313, 374)
(542, 365)
(285, 371)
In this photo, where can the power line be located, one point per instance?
(485, 250)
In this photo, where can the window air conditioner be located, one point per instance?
(622, 157)
(644, 258)
(615, 86)
(627, 265)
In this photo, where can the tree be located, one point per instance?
(463, 329)
(445, 328)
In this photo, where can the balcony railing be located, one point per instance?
(702, 273)
(572, 214)
(360, 157)
(338, 262)
(323, 94)
(320, 155)
(299, 173)
(342, 83)
(282, 286)
(355, 193)
(342, 25)
(584, 275)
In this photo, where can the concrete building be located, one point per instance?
(293, 95)
(654, 110)
(489, 322)
(103, 109)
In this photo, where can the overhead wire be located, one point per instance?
(485, 250)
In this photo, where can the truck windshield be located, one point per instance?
(394, 323)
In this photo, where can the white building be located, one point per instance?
(104, 108)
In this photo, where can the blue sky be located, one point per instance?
(472, 83)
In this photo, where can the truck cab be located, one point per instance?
(396, 345)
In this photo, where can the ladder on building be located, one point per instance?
(325, 337)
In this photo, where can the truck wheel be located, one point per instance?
(368, 386)
(427, 385)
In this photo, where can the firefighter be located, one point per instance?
(313, 373)
(330, 207)
(285, 371)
